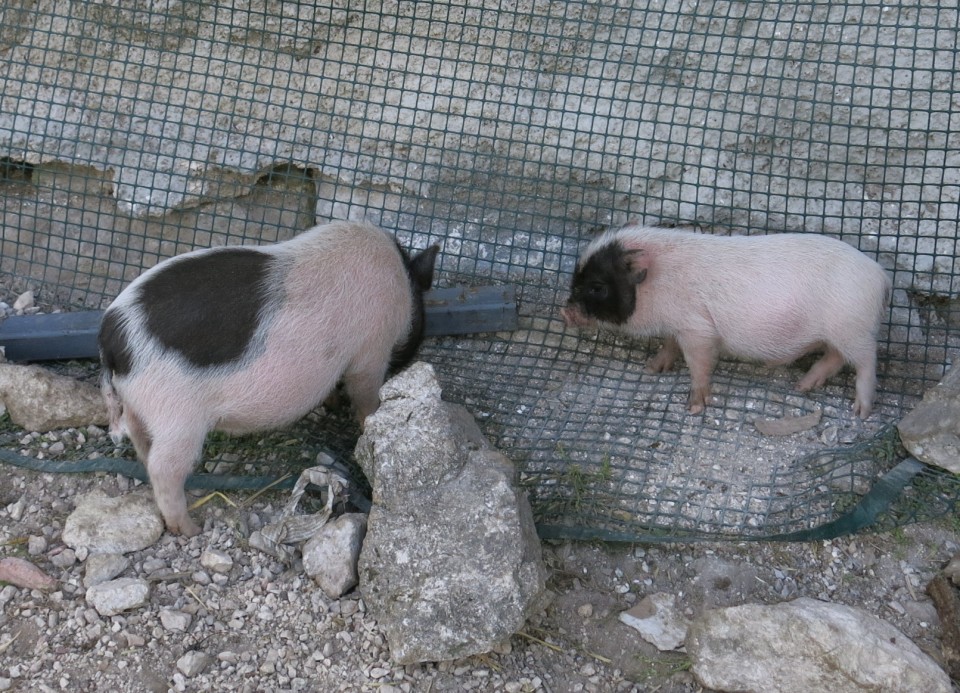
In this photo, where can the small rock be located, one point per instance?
(36, 545)
(24, 302)
(658, 621)
(16, 509)
(101, 567)
(116, 596)
(192, 663)
(175, 620)
(330, 556)
(216, 560)
(63, 558)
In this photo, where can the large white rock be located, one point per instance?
(807, 645)
(451, 564)
(931, 431)
(102, 524)
(41, 400)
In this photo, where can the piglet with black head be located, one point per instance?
(244, 339)
(770, 298)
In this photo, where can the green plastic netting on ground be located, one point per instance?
(509, 134)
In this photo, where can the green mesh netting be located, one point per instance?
(133, 131)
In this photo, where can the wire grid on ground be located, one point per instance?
(131, 132)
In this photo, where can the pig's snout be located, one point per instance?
(573, 316)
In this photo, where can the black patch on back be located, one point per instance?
(420, 273)
(208, 307)
(115, 354)
(603, 287)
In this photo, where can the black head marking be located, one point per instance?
(605, 286)
(207, 307)
(420, 272)
(115, 354)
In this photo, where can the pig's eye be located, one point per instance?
(597, 292)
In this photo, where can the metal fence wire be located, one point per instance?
(510, 133)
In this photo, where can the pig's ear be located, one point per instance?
(421, 266)
(636, 265)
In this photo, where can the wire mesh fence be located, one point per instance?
(509, 134)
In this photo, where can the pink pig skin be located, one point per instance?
(769, 298)
(340, 306)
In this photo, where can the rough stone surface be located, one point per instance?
(193, 663)
(116, 596)
(216, 560)
(175, 620)
(102, 524)
(100, 567)
(330, 556)
(931, 432)
(39, 400)
(658, 621)
(451, 564)
(807, 645)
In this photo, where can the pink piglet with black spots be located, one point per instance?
(242, 339)
(769, 298)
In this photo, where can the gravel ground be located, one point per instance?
(258, 627)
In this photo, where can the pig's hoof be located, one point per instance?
(860, 409)
(660, 363)
(185, 526)
(807, 383)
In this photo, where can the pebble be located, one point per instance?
(24, 302)
(116, 596)
(100, 567)
(175, 620)
(192, 663)
(16, 509)
(216, 560)
(36, 545)
(64, 558)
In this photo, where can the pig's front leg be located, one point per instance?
(665, 358)
(169, 463)
(700, 353)
(362, 381)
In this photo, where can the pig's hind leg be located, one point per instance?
(169, 462)
(863, 357)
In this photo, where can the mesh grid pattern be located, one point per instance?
(130, 132)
